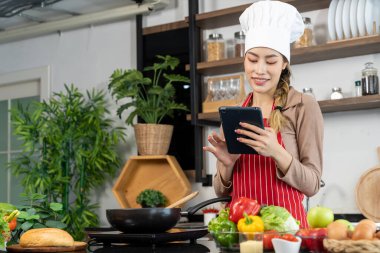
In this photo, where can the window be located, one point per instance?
(18, 87)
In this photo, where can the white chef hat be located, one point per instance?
(271, 24)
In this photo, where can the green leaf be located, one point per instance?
(26, 225)
(55, 224)
(39, 225)
(56, 206)
(33, 217)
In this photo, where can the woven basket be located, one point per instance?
(350, 246)
(153, 139)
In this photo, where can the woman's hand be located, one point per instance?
(219, 149)
(264, 141)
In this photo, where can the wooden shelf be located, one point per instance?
(345, 104)
(350, 104)
(337, 49)
(219, 67)
(165, 27)
(161, 172)
(329, 51)
(230, 16)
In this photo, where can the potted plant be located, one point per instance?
(151, 99)
(69, 149)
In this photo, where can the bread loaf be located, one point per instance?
(46, 237)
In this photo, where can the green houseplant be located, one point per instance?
(69, 149)
(151, 99)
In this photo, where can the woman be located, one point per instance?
(289, 161)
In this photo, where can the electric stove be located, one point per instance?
(182, 238)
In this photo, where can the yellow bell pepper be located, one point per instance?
(250, 224)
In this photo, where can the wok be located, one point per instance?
(152, 220)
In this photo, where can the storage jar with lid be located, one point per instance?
(336, 93)
(370, 80)
(308, 91)
(215, 47)
(306, 39)
(239, 41)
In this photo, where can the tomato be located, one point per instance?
(12, 224)
(267, 239)
(289, 237)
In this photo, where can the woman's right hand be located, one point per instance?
(219, 149)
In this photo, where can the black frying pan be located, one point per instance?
(152, 220)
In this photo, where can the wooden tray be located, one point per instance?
(350, 246)
(78, 246)
(162, 173)
(213, 106)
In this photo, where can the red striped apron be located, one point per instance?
(254, 176)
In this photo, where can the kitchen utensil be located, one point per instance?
(152, 220)
(78, 246)
(368, 193)
(183, 200)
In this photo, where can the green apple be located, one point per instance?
(320, 217)
(346, 222)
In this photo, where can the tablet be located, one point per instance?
(230, 117)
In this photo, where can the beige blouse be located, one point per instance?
(303, 139)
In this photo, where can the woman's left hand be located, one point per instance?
(264, 141)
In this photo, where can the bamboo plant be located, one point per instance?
(69, 150)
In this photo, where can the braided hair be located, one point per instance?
(277, 120)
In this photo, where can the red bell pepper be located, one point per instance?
(243, 205)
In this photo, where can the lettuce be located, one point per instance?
(4, 232)
(279, 219)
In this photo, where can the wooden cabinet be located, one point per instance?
(329, 51)
(230, 16)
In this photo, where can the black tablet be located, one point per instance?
(230, 117)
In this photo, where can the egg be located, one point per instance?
(337, 231)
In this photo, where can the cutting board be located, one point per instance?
(78, 246)
(368, 193)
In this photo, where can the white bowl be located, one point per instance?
(284, 246)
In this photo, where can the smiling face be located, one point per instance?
(263, 67)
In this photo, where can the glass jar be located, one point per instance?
(308, 91)
(336, 93)
(306, 39)
(215, 47)
(370, 80)
(239, 42)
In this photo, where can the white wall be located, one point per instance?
(87, 57)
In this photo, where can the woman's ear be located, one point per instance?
(284, 65)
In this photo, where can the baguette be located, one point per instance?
(46, 237)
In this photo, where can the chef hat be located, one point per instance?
(271, 24)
